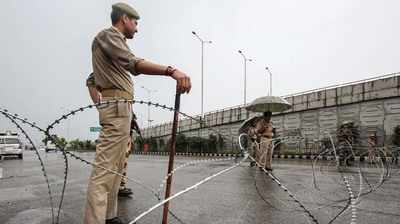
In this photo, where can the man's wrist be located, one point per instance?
(169, 71)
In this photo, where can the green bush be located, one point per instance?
(86, 145)
(195, 144)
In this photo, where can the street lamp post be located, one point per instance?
(245, 60)
(270, 81)
(202, 41)
(149, 91)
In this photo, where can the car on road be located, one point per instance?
(11, 145)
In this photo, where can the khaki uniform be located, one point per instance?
(127, 153)
(112, 63)
(263, 149)
(90, 82)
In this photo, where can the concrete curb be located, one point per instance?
(185, 154)
(311, 157)
(277, 156)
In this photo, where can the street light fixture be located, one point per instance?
(245, 60)
(270, 81)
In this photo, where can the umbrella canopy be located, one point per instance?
(269, 103)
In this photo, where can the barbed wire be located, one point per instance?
(352, 201)
(195, 162)
(43, 168)
(276, 180)
(194, 186)
(53, 138)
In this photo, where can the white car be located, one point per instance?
(10, 145)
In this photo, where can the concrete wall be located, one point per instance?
(372, 105)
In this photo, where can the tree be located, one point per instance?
(139, 142)
(181, 143)
(88, 145)
(59, 142)
(396, 136)
(212, 143)
(81, 145)
(153, 144)
(74, 145)
(221, 142)
(161, 145)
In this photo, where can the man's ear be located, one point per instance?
(125, 19)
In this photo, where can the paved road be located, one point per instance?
(244, 195)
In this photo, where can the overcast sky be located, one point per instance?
(45, 52)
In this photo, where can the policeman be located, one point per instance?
(112, 62)
(262, 132)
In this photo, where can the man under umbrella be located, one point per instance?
(260, 128)
(262, 134)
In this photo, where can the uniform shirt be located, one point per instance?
(262, 129)
(112, 61)
(90, 81)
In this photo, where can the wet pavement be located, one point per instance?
(243, 195)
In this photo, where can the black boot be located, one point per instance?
(124, 192)
(115, 220)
